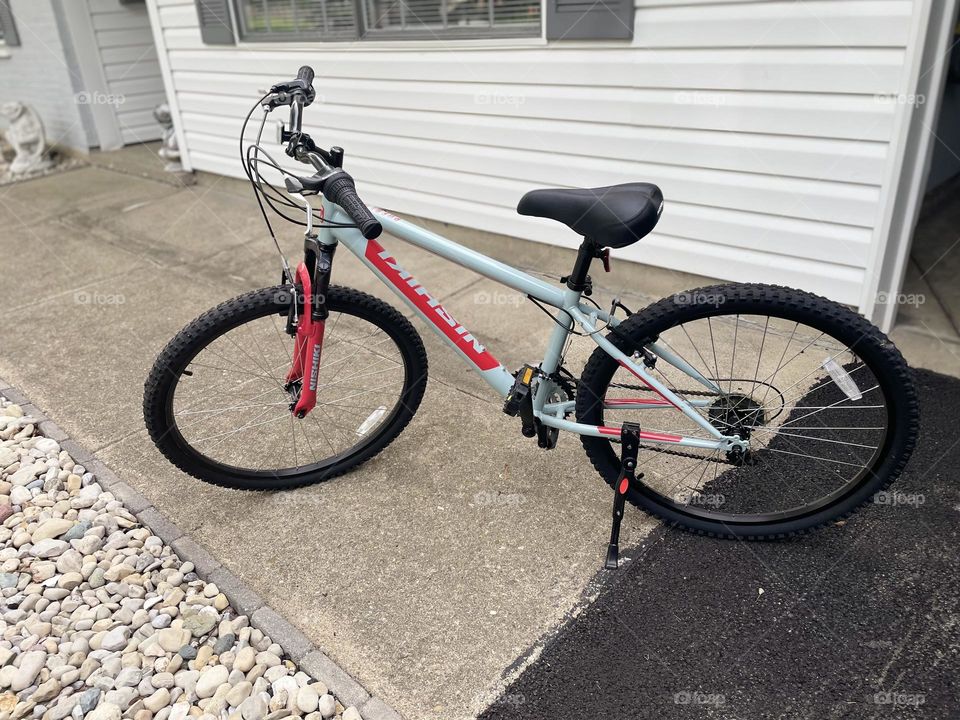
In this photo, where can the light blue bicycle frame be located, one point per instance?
(572, 312)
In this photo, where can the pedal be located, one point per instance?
(521, 389)
(629, 444)
(520, 399)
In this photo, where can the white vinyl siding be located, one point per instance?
(130, 66)
(767, 125)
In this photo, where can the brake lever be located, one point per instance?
(290, 89)
(293, 184)
(275, 99)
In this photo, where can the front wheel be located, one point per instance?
(826, 400)
(218, 406)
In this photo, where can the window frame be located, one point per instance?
(362, 33)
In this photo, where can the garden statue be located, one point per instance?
(169, 150)
(25, 135)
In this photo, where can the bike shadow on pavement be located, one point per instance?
(858, 620)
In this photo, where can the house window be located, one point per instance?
(424, 19)
(451, 18)
(297, 19)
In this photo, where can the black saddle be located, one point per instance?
(613, 216)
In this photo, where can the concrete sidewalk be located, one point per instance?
(422, 593)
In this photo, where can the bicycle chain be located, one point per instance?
(680, 453)
(681, 393)
(665, 451)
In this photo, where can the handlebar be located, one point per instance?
(299, 90)
(335, 184)
(342, 191)
(338, 187)
(305, 75)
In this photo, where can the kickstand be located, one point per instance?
(629, 442)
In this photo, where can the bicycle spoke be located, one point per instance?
(234, 407)
(807, 438)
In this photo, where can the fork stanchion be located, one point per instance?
(629, 444)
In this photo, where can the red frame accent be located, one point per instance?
(431, 308)
(644, 381)
(644, 434)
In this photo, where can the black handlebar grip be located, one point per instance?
(343, 192)
(306, 74)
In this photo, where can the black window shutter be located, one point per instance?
(10, 36)
(589, 19)
(216, 27)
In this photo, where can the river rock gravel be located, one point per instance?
(101, 620)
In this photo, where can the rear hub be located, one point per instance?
(737, 414)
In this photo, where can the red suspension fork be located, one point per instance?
(308, 341)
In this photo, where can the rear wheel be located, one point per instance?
(217, 403)
(827, 402)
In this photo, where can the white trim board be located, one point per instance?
(910, 163)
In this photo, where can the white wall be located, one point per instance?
(37, 73)
(765, 124)
(130, 68)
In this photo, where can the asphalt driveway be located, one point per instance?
(857, 621)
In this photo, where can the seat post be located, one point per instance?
(577, 280)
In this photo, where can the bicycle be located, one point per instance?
(766, 411)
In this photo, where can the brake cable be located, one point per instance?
(250, 161)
